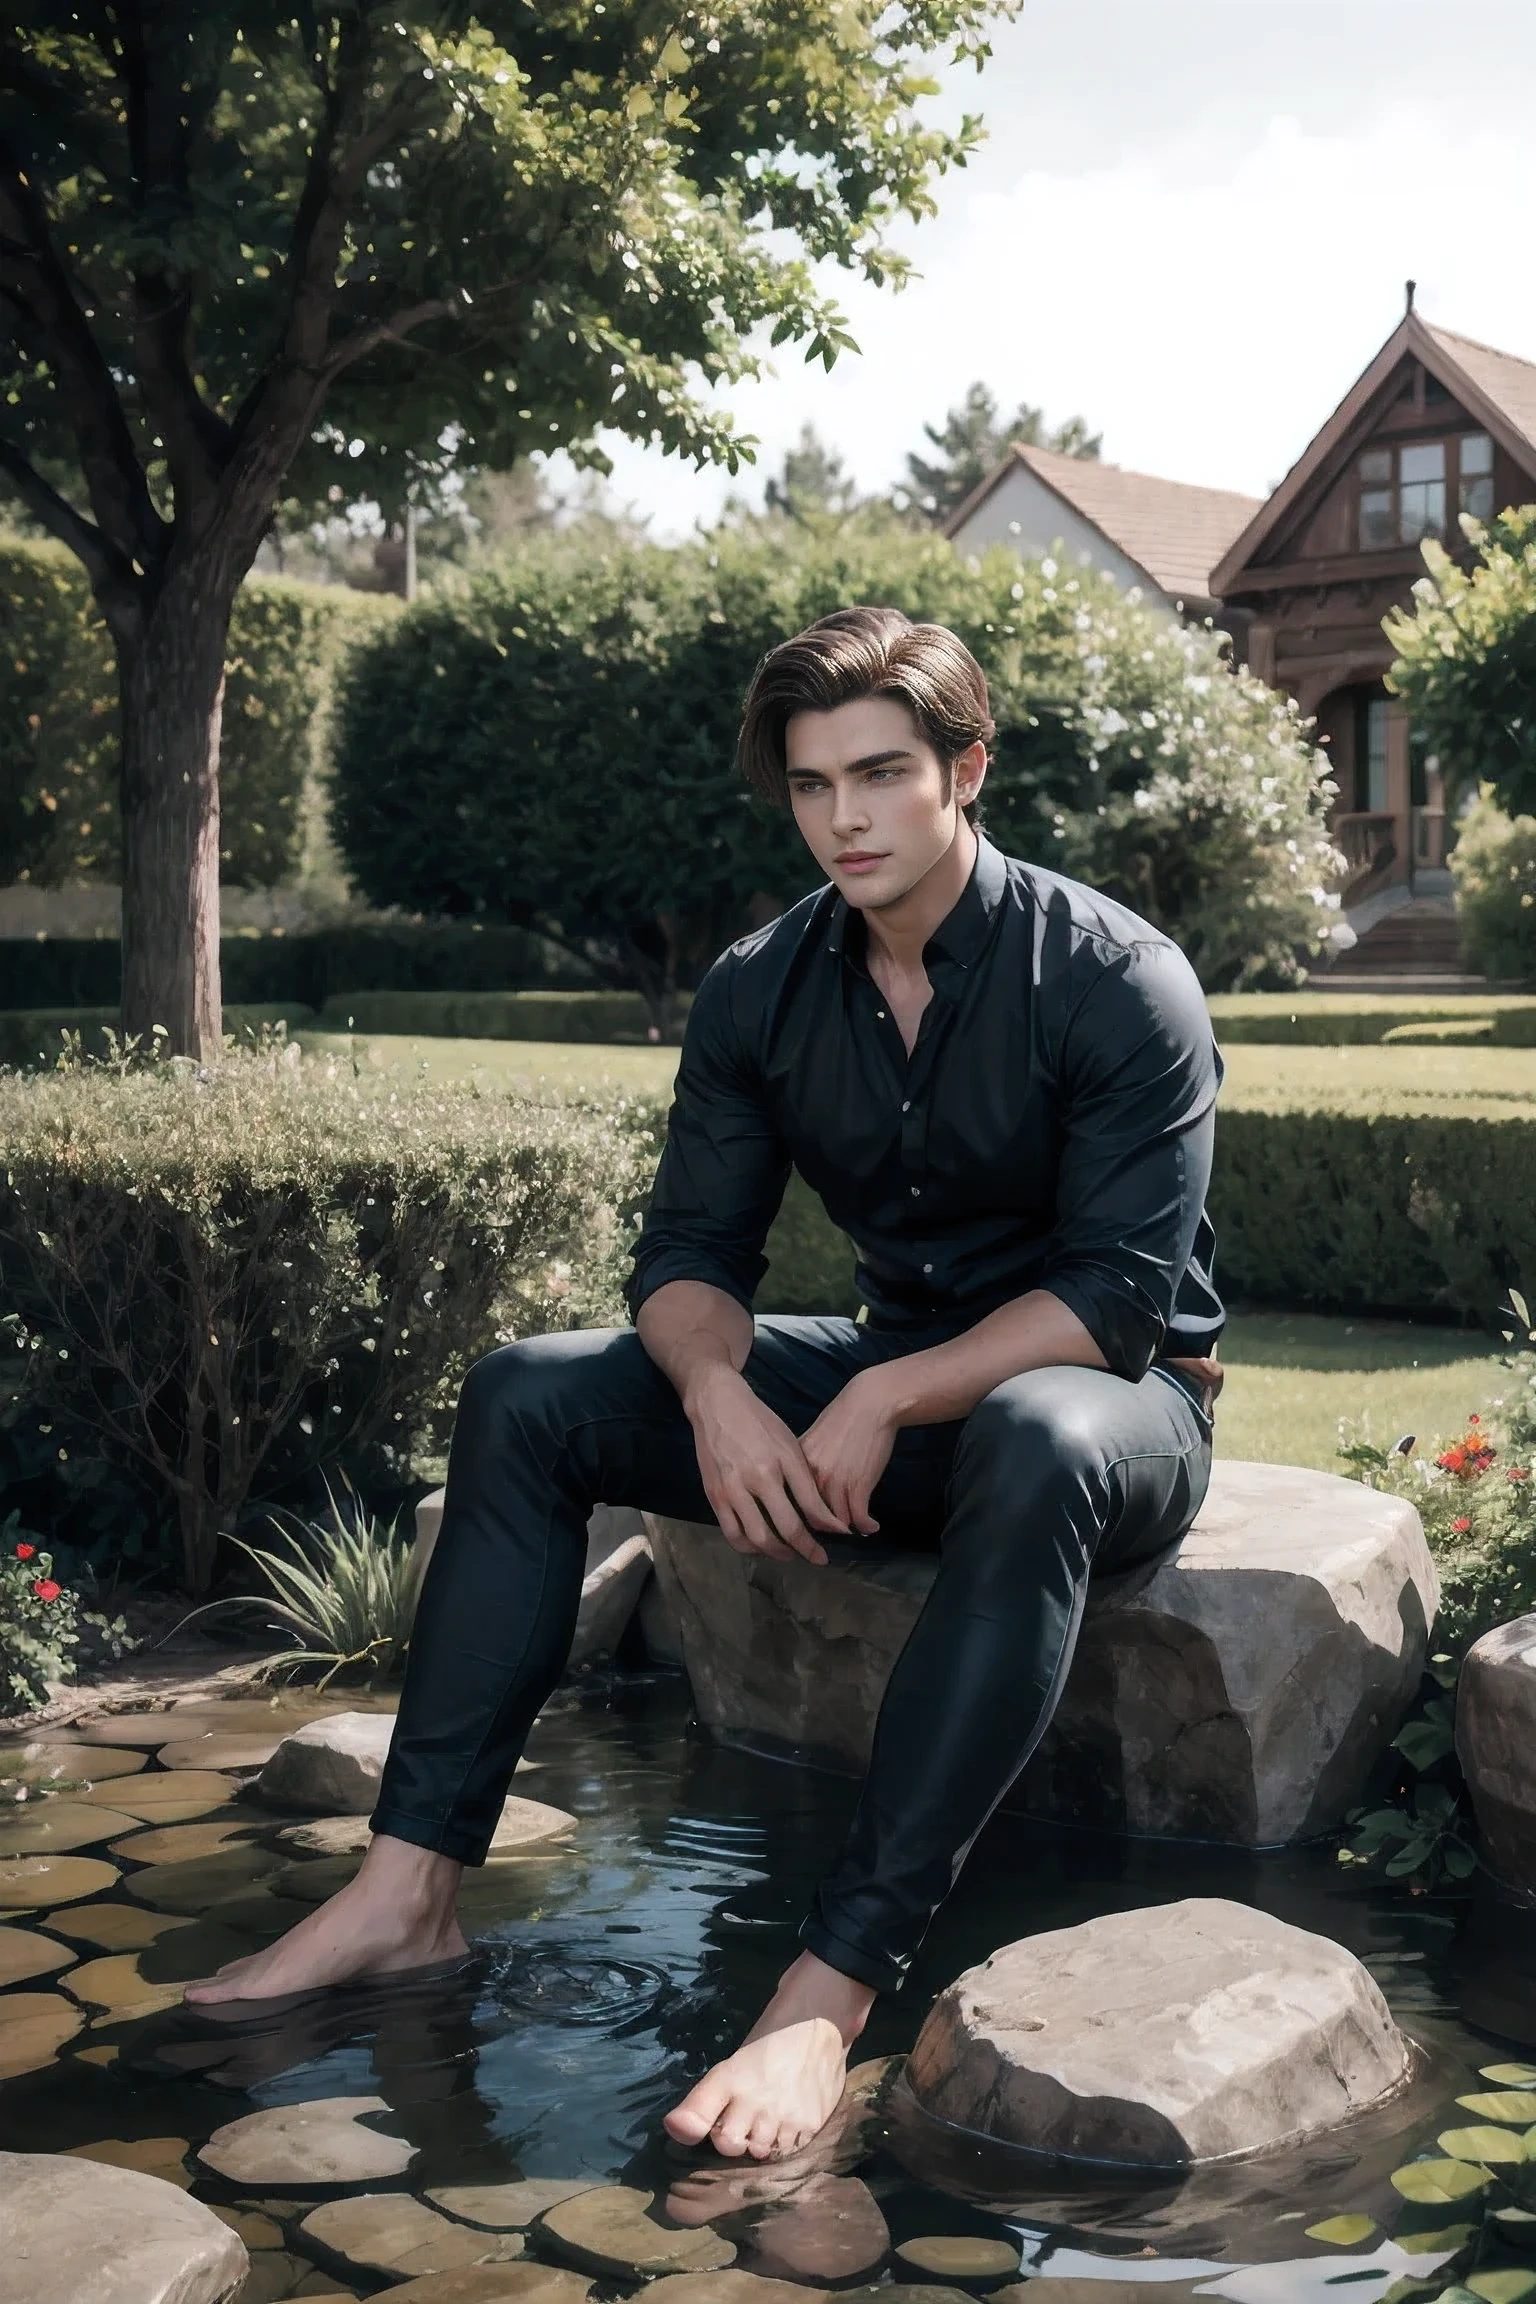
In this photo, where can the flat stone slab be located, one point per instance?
(732, 2287)
(609, 2229)
(508, 2207)
(390, 2232)
(24, 1954)
(54, 1762)
(1238, 1689)
(59, 1827)
(829, 2231)
(317, 2143)
(963, 2256)
(34, 2026)
(168, 1799)
(521, 1824)
(114, 1927)
(1157, 2038)
(524, 2283)
(72, 2229)
(162, 2156)
(32, 1883)
(1496, 1744)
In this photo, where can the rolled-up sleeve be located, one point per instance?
(723, 1167)
(1139, 1074)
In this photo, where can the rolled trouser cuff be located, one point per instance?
(860, 1961)
(441, 1834)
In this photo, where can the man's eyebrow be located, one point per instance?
(869, 760)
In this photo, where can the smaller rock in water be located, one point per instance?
(220, 1754)
(63, 2219)
(31, 1883)
(174, 1798)
(496, 2284)
(508, 2207)
(610, 2229)
(390, 2232)
(115, 1927)
(317, 2143)
(732, 2287)
(162, 2156)
(1157, 2038)
(1496, 1743)
(610, 1594)
(521, 1824)
(24, 1954)
(117, 1983)
(33, 2028)
(964, 2256)
(830, 2230)
(58, 1827)
(332, 1765)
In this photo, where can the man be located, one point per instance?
(1003, 1087)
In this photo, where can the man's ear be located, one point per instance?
(970, 772)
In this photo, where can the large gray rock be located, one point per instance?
(332, 1766)
(1237, 1689)
(618, 1572)
(1496, 1742)
(1187, 2032)
(73, 2229)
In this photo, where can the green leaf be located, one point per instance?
(1436, 2183)
(1509, 2075)
(1445, 2242)
(1423, 1742)
(1515, 2104)
(1342, 2231)
(1510, 2285)
(1487, 2147)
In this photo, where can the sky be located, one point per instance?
(1191, 224)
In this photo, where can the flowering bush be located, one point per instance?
(41, 1624)
(1494, 867)
(1476, 1496)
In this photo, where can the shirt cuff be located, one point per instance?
(1128, 1337)
(689, 1264)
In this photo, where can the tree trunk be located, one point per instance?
(171, 684)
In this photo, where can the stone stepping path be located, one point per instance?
(610, 2230)
(177, 1798)
(184, 1843)
(48, 1765)
(508, 2207)
(274, 2274)
(964, 2257)
(113, 1927)
(57, 1827)
(30, 1883)
(317, 2143)
(193, 1888)
(34, 2026)
(522, 1824)
(736, 2287)
(24, 1954)
(218, 1752)
(162, 2156)
(523, 2283)
(117, 1986)
(392, 2233)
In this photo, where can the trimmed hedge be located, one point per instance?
(30, 1038)
(1350, 1020)
(568, 1016)
(59, 803)
(309, 969)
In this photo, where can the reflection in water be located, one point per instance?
(607, 1974)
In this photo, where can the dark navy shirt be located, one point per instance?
(1051, 1129)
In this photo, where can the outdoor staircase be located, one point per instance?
(1421, 938)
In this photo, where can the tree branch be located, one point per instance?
(394, 330)
(103, 563)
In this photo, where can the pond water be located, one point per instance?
(611, 1968)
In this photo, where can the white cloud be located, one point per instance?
(1204, 301)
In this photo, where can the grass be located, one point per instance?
(569, 1067)
(1291, 1378)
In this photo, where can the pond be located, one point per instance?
(611, 1967)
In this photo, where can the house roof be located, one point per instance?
(1174, 532)
(1495, 387)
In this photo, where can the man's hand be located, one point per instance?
(849, 1446)
(760, 1487)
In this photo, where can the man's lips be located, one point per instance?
(858, 860)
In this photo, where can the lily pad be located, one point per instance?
(33, 2028)
(162, 2156)
(24, 1954)
(1516, 2217)
(30, 1883)
(118, 1984)
(193, 1887)
(189, 1843)
(1487, 2147)
(1510, 2075)
(1436, 2183)
(113, 1927)
(1446, 2242)
(1510, 2285)
(58, 1827)
(1342, 2231)
(1514, 2104)
(219, 1752)
(57, 1764)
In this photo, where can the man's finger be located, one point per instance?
(811, 1498)
(760, 1534)
(783, 1511)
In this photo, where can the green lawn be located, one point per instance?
(565, 1066)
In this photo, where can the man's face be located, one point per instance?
(869, 795)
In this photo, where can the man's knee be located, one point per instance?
(539, 1381)
(1041, 1430)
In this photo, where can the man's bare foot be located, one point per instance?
(398, 1913)
(785, 2081)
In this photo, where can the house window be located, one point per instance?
(1378, 505)
(1421, 490)
(1373, 757)
(1476, 472)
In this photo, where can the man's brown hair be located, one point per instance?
(858, 652)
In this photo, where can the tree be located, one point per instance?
(249, 249)
(973, 438)
(813, 480)
(1466, 659)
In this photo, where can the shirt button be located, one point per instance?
(879, 1015)
(906, 1104)
(916, 1189)
(927, 1267)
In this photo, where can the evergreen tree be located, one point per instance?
(974, 437)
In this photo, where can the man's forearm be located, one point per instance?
(693, 1331)
(943, 1384)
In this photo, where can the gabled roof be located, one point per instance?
(1495, 387)
(1175, 533)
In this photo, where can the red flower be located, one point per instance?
(25, 1551)
(46, 1589)
(1474, 1419)
(1519, 1472)
(1468, 1457)
(1461, 1526)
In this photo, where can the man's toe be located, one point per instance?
(691, 2121)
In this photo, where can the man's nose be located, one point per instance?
(849, 813)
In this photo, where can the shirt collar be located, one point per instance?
(963, 931)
